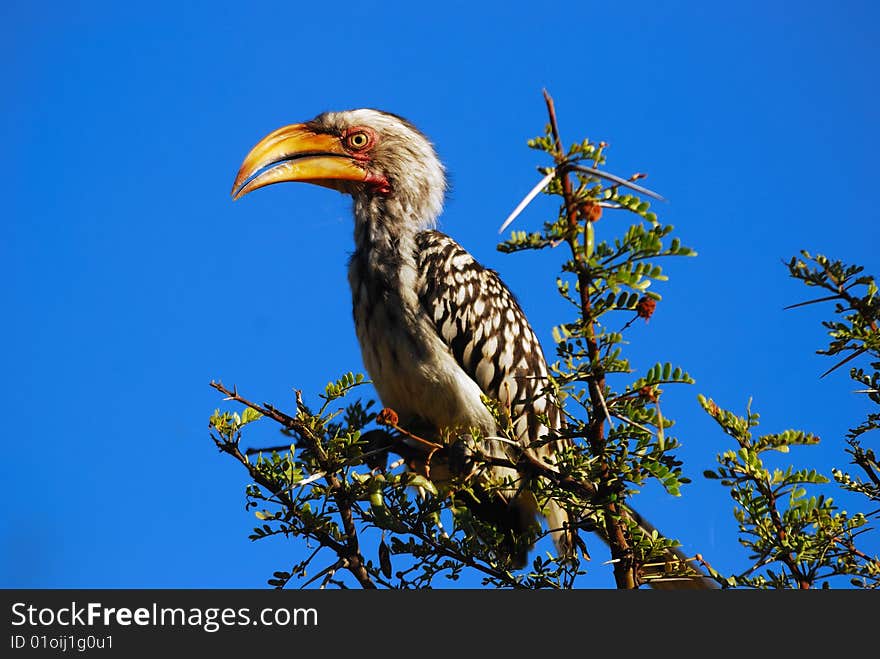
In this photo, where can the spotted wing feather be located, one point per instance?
(486, 331)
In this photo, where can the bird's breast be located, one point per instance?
(411, 367)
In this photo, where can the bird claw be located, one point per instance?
(461, 455)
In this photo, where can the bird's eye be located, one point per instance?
(358, 140)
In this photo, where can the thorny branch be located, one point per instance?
(349, 551)
(348, 554)
(621, 553)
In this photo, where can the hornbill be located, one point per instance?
(438, 332)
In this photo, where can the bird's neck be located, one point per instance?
(385, 231)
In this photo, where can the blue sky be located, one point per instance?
(131, 279)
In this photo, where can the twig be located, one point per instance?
(785, 556)
(868, 466)
(388, 417)
(850, 547)
(267, 449)
(349, 550)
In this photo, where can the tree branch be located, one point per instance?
(621, 553)
(350, 550)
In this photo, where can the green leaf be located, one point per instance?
(249, 414)
(589, 240)
(417, 480)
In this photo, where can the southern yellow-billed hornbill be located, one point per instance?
(437, 330)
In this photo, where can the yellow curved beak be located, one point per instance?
(296, 153)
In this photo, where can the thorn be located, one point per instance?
(311, 479)
(543, 183)
(503, 440)
(604, 406)
(844, 361)
(803, 304)
(615, 179)
(633, 423)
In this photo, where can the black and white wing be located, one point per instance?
(486, 331)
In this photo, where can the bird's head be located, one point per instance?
(380, 159)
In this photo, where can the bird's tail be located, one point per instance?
(558, 523)
(672, 570)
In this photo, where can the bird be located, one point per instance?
(439, 333)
